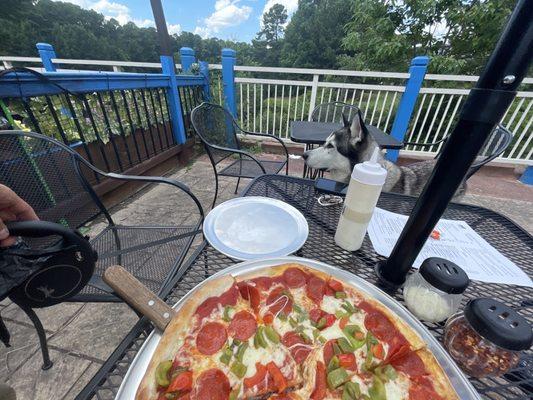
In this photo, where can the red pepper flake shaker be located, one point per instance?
(487, 337)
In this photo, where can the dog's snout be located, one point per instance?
(305, 155)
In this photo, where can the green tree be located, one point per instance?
(458, 35)
(267, 44)
(314, 35)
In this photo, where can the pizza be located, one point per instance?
(289, 332)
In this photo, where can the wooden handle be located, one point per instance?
(138, 296)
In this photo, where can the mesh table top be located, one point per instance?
(500, 232)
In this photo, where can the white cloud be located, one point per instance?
(174, 29)
(227, 13)
(120, 12)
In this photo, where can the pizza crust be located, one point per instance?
(176, 330)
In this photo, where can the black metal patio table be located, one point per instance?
(500, 232)
(313, 132)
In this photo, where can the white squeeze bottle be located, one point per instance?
(363, 193)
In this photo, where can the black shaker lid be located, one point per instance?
(499, 323)
(444, 275)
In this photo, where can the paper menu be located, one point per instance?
(458, 242)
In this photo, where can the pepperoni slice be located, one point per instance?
(230, 296)
(212, 384)
(410, 364)
(278, 300)
(316, 288)
(251, 293)
(242, 326)
(294, 277)
(328, 350)
(380, 325)
(207, 306)
(263, 282)
(320, 382)
(296, 345)
(211, 338)
(422, 389)
(315, 314)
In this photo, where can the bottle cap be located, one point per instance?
(370, 172)
(444, 275)
(499, 323)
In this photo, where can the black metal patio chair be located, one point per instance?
(333, 111)
(495, 145)
(220, 135)
(62, 187)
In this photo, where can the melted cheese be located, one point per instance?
(330, 304)
(263, 356)
(397, 389)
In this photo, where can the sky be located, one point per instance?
(226, 19)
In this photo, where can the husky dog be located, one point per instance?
(353, 144)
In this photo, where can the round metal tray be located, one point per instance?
(459, 381)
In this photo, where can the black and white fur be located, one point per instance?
(353, 144)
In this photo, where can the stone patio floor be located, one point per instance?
(81, 336)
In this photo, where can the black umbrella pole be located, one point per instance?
(484, 108)
(161, 25)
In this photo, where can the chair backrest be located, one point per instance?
(495, 145)
(216, 128)
(49, 176)
(332, 112)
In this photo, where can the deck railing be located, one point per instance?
(116, 120)
(268, 98)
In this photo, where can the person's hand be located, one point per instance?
(12, 208)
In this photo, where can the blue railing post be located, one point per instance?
(174, 105)
(527, 176)
(417, 71)
(204, 71)
(187, 58)
(229, 60)
(47, 53)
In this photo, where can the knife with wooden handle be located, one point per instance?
(133, 292)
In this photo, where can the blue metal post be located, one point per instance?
(527, 176)
(176, 116)
(417, 71)
(187, 58)
(47, 53)
(204, 71)
(229, 60)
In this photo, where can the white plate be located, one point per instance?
(248, 228)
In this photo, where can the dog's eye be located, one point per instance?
(329, 146)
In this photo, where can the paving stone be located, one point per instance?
(96, 330)
(31, 382)
(82, 381)
(52, 318)
(24, 344)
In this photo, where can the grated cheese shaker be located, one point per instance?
(363, 192)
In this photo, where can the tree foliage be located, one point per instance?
(458, 35)
(314, 35)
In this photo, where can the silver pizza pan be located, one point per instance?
(459, 381)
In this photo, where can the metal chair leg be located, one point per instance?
(237, 187)
(47, 363)
(216, 189)
(4, 333)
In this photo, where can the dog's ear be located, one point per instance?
(345, 121)
(356, 129)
